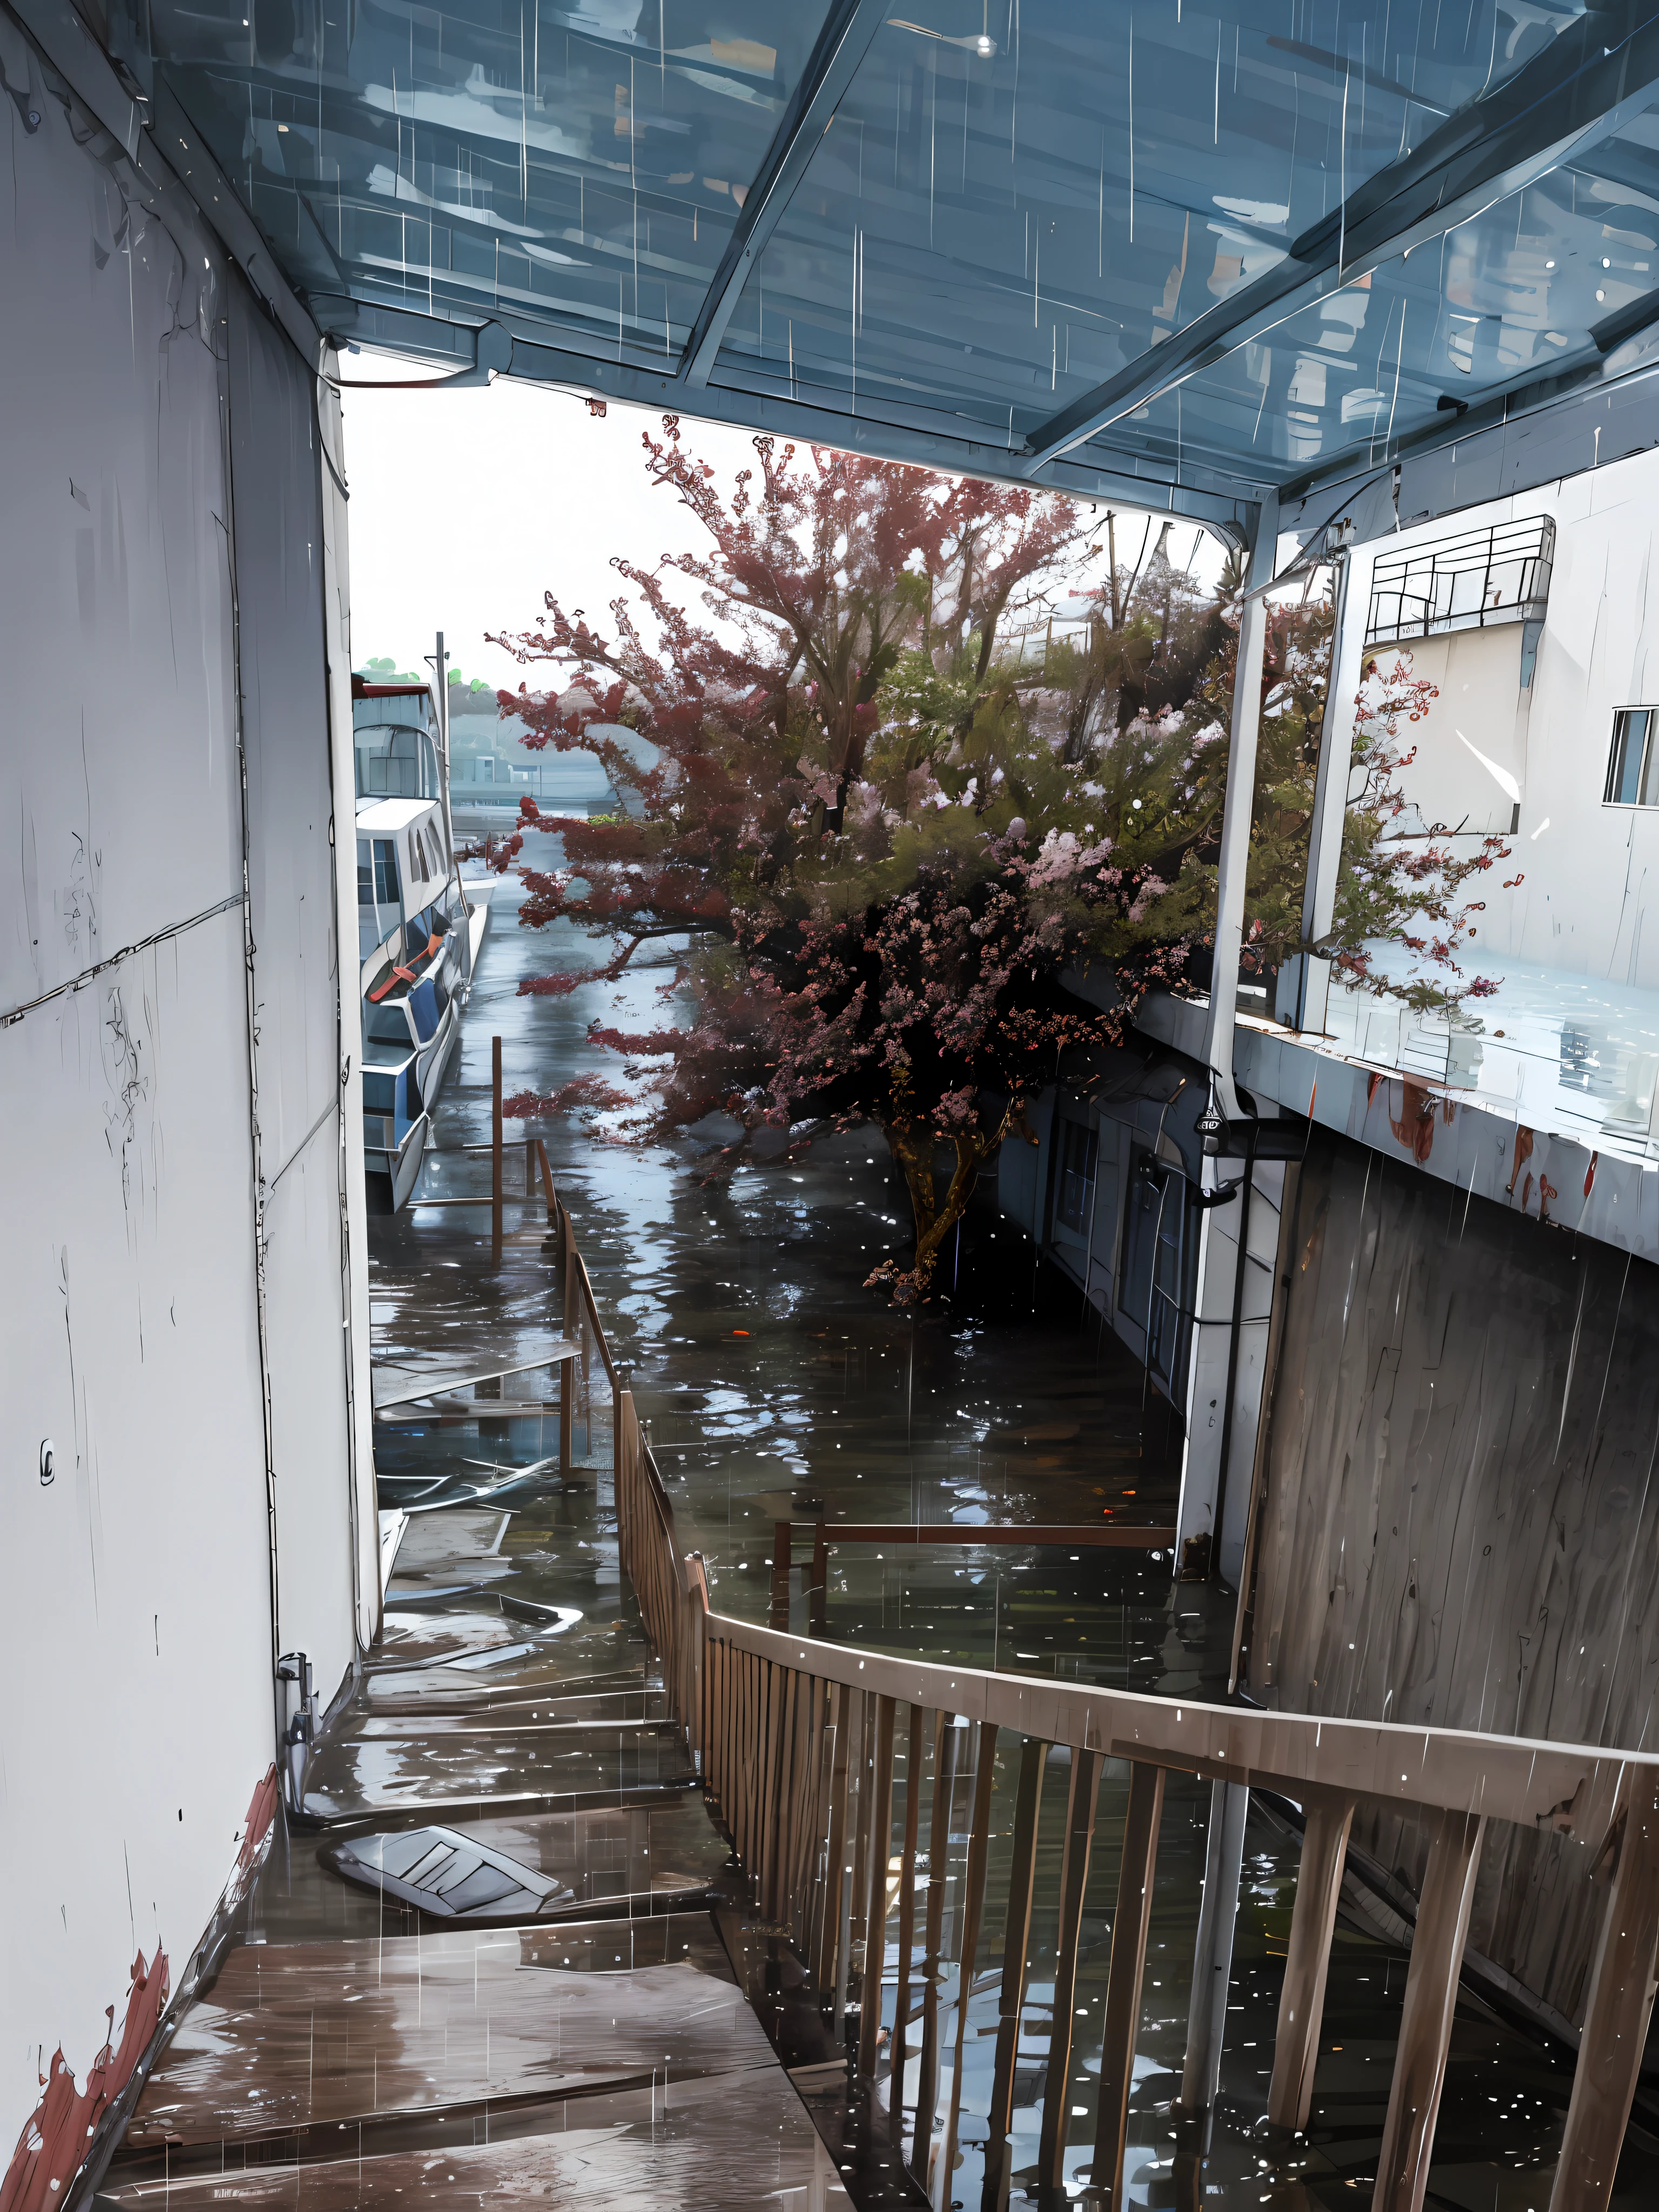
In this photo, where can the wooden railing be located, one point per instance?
(797, 1740)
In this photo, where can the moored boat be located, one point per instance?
(418, 935)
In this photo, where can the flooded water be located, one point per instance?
(776, 1387)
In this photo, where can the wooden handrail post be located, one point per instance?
(945, 1739)
(1016, 1951)
(906, 1920)
(495, 1144)
(1307, 1961)
(1426, 2022)
(1616, 2014)
(1124, 1978)
(1073, 1880)
(973, 1905)
(875, 1941)
(835, 1864)
(1213, 1953)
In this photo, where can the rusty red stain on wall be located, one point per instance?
(1589, 1174)
(261, 1809)
(54, 2140)
(1371, 1089)
(1415, 1127)
(1522, 1154)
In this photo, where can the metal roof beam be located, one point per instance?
(834, 62)
(1220, 504)
(1597, 74)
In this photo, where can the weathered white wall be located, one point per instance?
(135, 1622)
(1590, 869)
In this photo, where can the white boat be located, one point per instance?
(418, 936)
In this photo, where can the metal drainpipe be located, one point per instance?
(1214, 1574)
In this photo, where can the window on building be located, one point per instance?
(365, 882)
(1077, 1177)
(1632, 771)
(387, 891)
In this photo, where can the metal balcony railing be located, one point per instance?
(1468, 582)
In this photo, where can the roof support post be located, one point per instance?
(1236, 813)
(1305, 981)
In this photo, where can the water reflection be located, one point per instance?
(776, 1387)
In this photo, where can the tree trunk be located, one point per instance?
(914, 1145)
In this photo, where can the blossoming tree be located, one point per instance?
(878, 808)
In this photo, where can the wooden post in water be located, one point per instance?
(1124, 1976)
(780, 1617)
(1426, 2022)
(1016, 1947)
(818, 1593)
(1073, 1880)
(1307, 1960)
(496, 1148)
(1616, 2015)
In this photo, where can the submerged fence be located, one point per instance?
(799, 1740)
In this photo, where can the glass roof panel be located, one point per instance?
(1534, 282)
(579, 166)
(1017, 200)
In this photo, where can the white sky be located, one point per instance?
(467, 506)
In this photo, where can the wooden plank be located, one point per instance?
(1425, 2021)
(946, 1740)
(1616, 2017)
(1073, 1880)
(1307, 1960)
(1124, 1979)
(875, 1923)
(972, 1906)
(1016, 1951)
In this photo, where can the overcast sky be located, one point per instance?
(467, 506)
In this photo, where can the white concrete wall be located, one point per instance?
(135, 1586)
(1590, 869)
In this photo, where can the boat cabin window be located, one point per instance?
(380, 1090)
(365, 878)
(389, 1023)
(423, 1005)
(387, 892)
